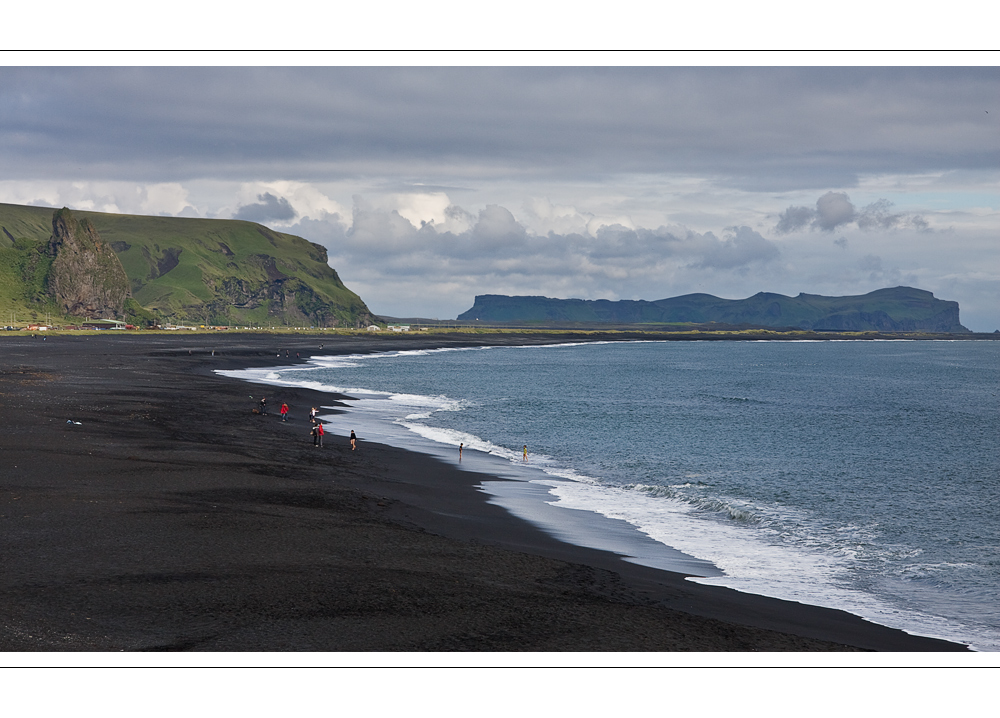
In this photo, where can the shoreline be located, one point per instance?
(514, 486)
(171, 518)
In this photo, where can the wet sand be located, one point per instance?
(173, 518)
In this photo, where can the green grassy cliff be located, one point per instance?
(211, 271)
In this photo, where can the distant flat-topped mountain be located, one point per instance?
(901, 309)
(178, 269)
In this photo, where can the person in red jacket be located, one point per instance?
(284, 412)
(319, 433)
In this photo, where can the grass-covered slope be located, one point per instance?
(901, 309)
(25, 265)
(194, 270)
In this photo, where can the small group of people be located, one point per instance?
(262, 408)
(316, 432)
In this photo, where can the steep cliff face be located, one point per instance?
(279, 298)
(86, 278)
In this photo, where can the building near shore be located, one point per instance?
(102, 324)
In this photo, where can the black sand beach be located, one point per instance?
(173, 518)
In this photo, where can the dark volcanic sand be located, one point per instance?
(172, 518)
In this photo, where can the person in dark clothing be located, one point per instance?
(263, 406)
(354, 440)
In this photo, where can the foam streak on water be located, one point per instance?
(854, 475)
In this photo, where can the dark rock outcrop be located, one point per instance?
(86, 279)
(285, 298)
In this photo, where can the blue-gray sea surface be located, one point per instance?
(856, 475)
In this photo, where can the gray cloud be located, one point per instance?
(835, 209)
(878, 216)
(794, 218)
(497, 254)
(267, 209)
(497, 229)
(832, 210)
(758, 128)
(740, 248)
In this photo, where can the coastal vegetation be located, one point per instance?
(178, 270)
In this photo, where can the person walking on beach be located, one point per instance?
(354, 440)
(524, 454)
(319, 433)
(263, 406)
(312, 415)
(460, 445)
(314, 435)
(284, 411)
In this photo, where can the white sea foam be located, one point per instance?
(752, 563)
(453, 437)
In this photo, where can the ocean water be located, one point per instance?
(863, 476)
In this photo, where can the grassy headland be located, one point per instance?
(184, 270)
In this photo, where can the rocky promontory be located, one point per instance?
(897, 309)
(86, 279)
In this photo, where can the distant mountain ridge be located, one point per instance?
(180, 269)
(899, 309)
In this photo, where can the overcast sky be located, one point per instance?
(432, 185)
